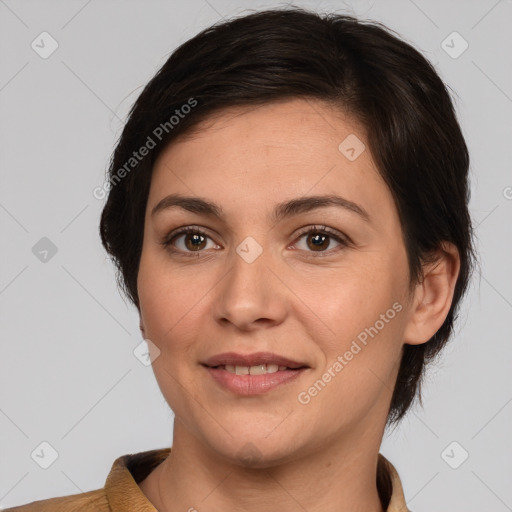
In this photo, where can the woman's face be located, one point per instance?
(261, 277)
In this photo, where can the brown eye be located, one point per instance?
(319, 239)
(187, 240)
(195, 241)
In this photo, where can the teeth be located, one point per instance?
(242, 370)
(259, 369)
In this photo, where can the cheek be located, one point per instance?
(170, 309)
(362, 316)
(344, 302)
(360, 361)
(367, 315)
(170, 298)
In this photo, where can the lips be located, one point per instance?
(255, 359)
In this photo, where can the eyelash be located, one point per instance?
(344, 241)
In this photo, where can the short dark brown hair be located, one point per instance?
(360, 67)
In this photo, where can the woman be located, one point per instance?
(288, 211)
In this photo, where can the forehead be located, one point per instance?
(249, 156)
(292, 124)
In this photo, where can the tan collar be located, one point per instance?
(397, 502)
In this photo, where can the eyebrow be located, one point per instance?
(281, 211)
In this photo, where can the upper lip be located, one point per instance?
(257, 358)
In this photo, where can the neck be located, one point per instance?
(336, 477)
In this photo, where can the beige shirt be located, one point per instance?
(121, 492)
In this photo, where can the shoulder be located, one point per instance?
(87, 501)
(120, 492)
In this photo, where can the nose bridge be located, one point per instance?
(248, 292)
(249, 263)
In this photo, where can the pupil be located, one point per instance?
(196, 241)
(318, 240)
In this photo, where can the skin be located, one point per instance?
(294, 300)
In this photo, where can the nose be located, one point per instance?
(250, 296)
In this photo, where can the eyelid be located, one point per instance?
(320, 228)
(192, 228)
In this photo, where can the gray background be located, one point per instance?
(68, 375)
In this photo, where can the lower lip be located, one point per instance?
(248, 385)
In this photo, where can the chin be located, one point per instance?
(256, 452)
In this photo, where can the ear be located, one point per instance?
(433, 295)
(141, 326)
